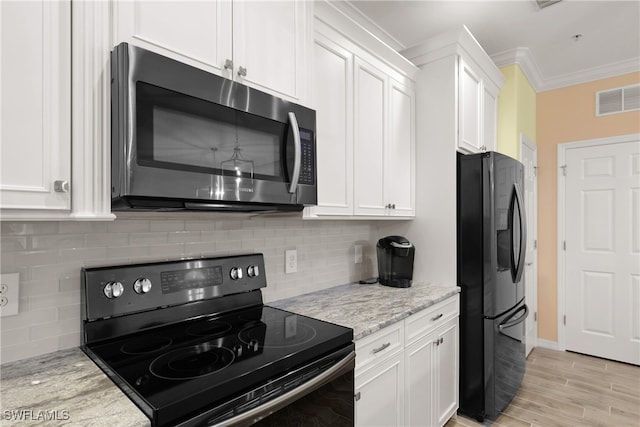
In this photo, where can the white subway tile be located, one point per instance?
(12, 353)
(149, 238)
(167, 251)
(9, 244)
(183, 236)
(57, 241)
(169, 225)
(106, 239)
(127, 226)
(85, 227)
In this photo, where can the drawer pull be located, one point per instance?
(382, 347)
(433, 319)
(357, 396)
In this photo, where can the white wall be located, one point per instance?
(49, 256)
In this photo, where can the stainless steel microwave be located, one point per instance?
(186, 139)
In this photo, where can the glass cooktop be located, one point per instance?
(182, 367)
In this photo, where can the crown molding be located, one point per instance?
(348, 8)
(596, 73)
(524, 58)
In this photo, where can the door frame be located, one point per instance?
(525, 141)
(561, 235)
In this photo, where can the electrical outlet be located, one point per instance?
(358, 254)
(9, 294)
(290, 261)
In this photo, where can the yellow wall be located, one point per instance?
(566, 115)
(516, 111)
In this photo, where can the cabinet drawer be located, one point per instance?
(376, 346)
(422, 323)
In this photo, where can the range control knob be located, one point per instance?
(253, 271)
(113, 290)
(142, 285)
(236, 273)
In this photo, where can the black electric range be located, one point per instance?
(191, 343)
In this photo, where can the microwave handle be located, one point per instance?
(296, 154)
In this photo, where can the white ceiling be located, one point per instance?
(609, 45)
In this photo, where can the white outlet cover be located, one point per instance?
(358, 254)
(9, 294)
(290, 261)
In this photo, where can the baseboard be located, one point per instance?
(552, 345)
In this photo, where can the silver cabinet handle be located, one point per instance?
(296, 154)
(433, 319)
(61, 186)
(357, 396)
(393, 206)
(228, 64)
(382, 347)
(242, 71)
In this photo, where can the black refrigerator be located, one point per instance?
(491, 255)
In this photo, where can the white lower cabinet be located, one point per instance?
(412, 382)
(380, 392)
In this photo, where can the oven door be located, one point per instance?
(320, 393)
(180, 133)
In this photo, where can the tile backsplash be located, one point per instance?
(49, 256)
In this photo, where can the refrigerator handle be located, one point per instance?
(516, 273)
(508, 323)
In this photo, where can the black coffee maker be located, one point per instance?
(395, 261)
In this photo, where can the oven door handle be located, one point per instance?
(263, 411)
(297, 147)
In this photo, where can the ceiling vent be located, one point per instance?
(618, 100)
(546, 3)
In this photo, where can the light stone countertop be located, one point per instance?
(63, 388)
(66, 388)
(366, 308)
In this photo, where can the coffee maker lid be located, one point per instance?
(399, 242)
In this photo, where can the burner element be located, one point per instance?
(146, 345)
(209, 328)
(192, 362)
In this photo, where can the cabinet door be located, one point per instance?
(446, 368)
(370, 139)
(333, 102)
(400, 151)
(420, 394)
(196, 32)
(379, 394)
(489, 119)
(269, 43)
(35, 83)
(469, 109)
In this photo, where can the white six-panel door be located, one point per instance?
(602, 256)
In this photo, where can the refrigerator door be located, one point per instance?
(504, 233)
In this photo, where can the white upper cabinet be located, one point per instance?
(475, 86)
(401, 150)
(333, 66)
(35, 83)
(477, 104)
(365, 117)
(470, 109)
(371, 103)
(261, 44)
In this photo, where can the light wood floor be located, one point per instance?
(569, 389)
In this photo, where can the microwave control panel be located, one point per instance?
(307, 158)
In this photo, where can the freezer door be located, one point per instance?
(505, 359)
